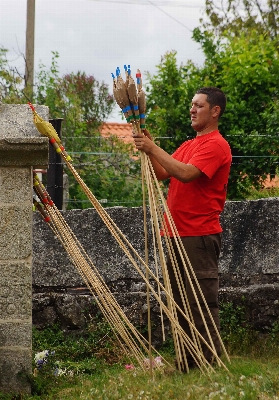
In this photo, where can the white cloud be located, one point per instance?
(97, 36)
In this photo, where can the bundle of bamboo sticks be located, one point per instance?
(162, 219)
(132, 342)
(159, 215)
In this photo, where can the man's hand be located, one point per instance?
(163, 164)
(143, 141)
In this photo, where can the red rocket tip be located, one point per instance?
(31, 106)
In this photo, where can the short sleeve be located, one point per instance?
(209, 157)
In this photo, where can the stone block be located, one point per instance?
(15, 185)
(16, 333)
(15, 232)
(16, 121)
(15, 370)
(16, 291)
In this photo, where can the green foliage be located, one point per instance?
(247, 377)
(11, 83)
(110, 171)
(238, 16)
(106, 165)
(85, 345)
(246, 68)
(71, 354)
(51, 336)
(82, 101)
(92, 365)
(273, 337)
(169, 93)
(263, 193)
(236, 333)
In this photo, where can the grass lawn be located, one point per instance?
(248, 378)
(91, 365)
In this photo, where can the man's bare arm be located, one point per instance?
(165, 165)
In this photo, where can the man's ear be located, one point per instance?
(216, 111)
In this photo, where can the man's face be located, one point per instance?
(202, 116)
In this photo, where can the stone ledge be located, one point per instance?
(24, 152)
(74, 309)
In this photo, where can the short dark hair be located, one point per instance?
(215, 97)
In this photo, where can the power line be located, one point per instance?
(160, 3)
(170, 16)
(156, 4)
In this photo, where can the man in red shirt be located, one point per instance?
(198, 172)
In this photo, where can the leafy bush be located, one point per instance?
(246, 68)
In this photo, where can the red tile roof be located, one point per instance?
(270, 183)
(121, 130)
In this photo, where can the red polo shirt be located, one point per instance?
(196, 206)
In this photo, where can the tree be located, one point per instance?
(169, 95)
(247, 69)
(236, 16)
(11, 83)
(107, 165)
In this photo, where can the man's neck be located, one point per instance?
(207, 130)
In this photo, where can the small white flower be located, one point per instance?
(41, 355)
(60, 371)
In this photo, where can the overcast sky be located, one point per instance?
(96, 36)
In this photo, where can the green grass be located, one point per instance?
(263, 193)
(247, 379)
(94, 367)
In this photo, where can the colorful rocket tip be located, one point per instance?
(31, 106)
(112, 75)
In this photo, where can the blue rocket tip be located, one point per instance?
(112, 75)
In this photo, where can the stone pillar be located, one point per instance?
(22, 147)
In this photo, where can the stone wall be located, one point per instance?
(249, 265)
